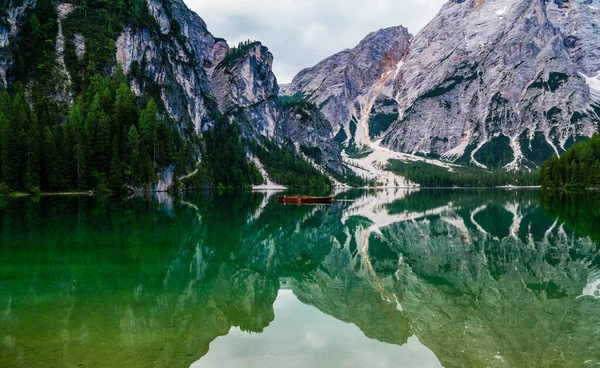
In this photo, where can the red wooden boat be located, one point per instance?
(300, 200)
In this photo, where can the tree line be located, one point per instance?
(577, 169)
(224, 161)
(286, 168)
(104, 142)
(235, 52)
(433, 176)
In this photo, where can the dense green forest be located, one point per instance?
(285, 168)
(99, 21)
(106, 139)
(577, 169)
(104, 142)
(428, 175)
(224, 162)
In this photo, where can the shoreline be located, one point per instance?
(46, 194)
(268, 188)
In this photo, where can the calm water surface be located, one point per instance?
(391, 278)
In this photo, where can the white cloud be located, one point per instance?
(300, 33)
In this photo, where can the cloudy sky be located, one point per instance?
(300, 33)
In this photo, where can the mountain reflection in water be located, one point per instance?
(459, 278)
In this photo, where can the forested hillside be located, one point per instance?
(105, 95)
(576, 169)
(83, 129)
(428, 175)
(104, 141)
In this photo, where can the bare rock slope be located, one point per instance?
(494, 83)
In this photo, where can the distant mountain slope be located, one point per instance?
(494, 83)
(501, 75)
(339, 84)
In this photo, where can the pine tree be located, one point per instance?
(50, 163)
(15, 139)
(34, 155)
(4, 147)
(76, 145)
(102, 152)
(126, 114)
(92, 120)
(149, 130)
(115, 179)
(133, 150)
(596, 173)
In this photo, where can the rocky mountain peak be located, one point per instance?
(244, 86)
(499, 75)
(337, 82)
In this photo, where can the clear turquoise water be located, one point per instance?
(392, 278)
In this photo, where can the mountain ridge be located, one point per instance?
(498, 83)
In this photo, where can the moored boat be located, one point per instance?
(299, 200)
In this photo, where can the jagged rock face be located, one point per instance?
(306, 126)
(336, 83)
(192, 75)
(166, 179)
(482, 69)
(244, 86)
(578, 21)
(9, 31)
(183, 79)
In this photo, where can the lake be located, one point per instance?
(390, 278)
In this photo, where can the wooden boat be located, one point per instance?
(300, 200)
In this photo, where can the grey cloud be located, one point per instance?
(301, 33)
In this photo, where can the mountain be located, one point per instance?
(82, 73)
(512, 77)
(497, 83)
(340, 84)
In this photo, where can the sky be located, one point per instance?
(300, 33)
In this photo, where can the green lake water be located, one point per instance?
(391, 278)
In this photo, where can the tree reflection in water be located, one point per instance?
(481, 278)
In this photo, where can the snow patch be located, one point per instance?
(513, 208)
(549, 231)
(458, 223)
(270, 185)
(515, 165)
(400, 64)
(549, 141)
(594, 84)
(473, 214)
(458, 151)
(473, 160)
